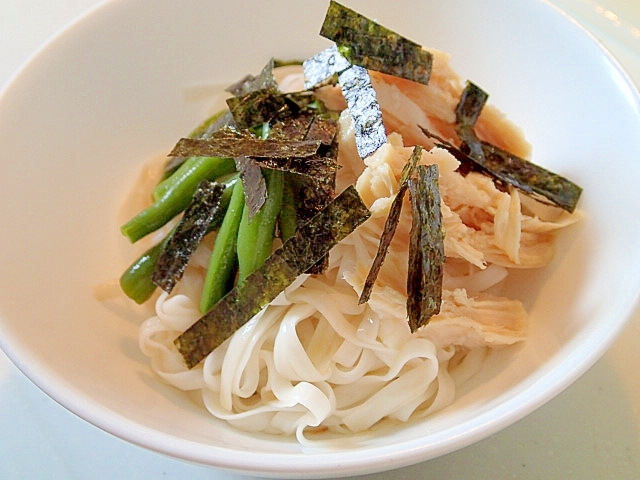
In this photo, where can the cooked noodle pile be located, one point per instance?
(315, 359)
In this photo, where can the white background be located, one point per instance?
(592, 430)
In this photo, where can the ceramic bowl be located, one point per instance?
(129, 78)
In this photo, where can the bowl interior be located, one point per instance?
(121, 85)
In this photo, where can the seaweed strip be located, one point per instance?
(250, 83)
(217, 122)
(315, 166)
(269, 105)
(312, 179)
(370, 45)
(310, 243)
(365, 111)
(314, 192)
(258, 107)
(194, 225)
(294, 128)
(307, 126)
(390, 224)
(323, 68)
(508, 169)
(322, 128)
(472, 101)
(224, 144)
(542, 184)
(426, 248)
(255, 186)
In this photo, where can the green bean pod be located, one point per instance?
(224, 261)
(176, 197)
(255, 236)
(204, 168)
(136, 281)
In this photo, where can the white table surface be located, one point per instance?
(591, 431)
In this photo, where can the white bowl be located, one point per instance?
(130, 78)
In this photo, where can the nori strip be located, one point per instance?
(307, 126)
(235, 145)
(370, 45)
(390, 224)
(311, 179)
(358, 92)
(471, 103)
(315, 166)
(365, 111)
(542, 184)
(508, 169)
(194, 224)
(312, 193)
(310, 243)
(258, 107)
(324, 67)
(255, 186)
(250, 83)
(426, 248)
(294, 128)
(214, 123)
(323, 128)
(269, 105)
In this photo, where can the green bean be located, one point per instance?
(202, 167)
(287, 220)
(255, 236)
(224, 261)
(174, 200)
(136, 280)
(229, 184)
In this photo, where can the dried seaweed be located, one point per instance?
(310, 243)
(223, 144)
(214, 123)
(472, 101)
(368, 44)
(324, 67)
(544, 185)
(316, 166)
(508, 169)
(255, 186)
(323, 128)
(313, 193)
(390, 224)
(258, 107)
(365, 111)
(250, 83)
(426, 248)
(194, 225)
(269, 105)
(294, 128)
(307, 126)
